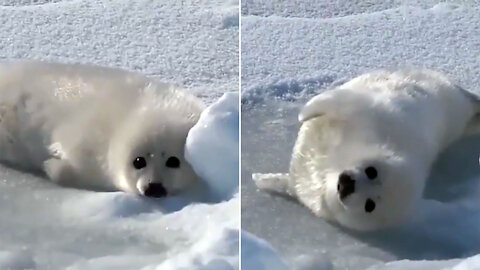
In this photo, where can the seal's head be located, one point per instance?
(363, 175)
(372, 191)
(147, 153)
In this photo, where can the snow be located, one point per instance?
(16, 260)
(292, 50)
(258, 254)
(192, 44)
(212, 146)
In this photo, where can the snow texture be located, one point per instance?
(292, 50)
(193, 44)
(259, 255)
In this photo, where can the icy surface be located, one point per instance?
(193, 44)
(292, 50)
(212, 146)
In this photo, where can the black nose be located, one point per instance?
(369, 205)
(156, 190)
(346, 185)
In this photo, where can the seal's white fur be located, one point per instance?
(397, 122)
(84, 125)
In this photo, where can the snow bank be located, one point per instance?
(258, 254)
(19, 260)
(212, 146)
(201, 236)
(471, 263)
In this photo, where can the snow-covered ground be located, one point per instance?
(294, 49)
(193, 44)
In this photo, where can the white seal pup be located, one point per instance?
(365, 149)
(96, 128)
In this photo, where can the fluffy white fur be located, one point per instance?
(84, 125)
(397, 122)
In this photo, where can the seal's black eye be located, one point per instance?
(369, 206)
(371, 172)
(139, 162)
(172, 162)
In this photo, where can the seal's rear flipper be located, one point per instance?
(318, 106)
(278, 183)
(333, 102)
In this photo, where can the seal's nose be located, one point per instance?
(156, 190)
(346, 185)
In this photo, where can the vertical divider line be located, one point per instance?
(240, 134)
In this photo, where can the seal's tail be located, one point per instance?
(278, 183)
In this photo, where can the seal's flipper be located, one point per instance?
(278, 183)
(58, 170)
(55, 150)
(337, 101)
(317, 106)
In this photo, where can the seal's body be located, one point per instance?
(96, 128)
(364, 150)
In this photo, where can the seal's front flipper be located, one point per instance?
(58, 170)
(278, 183)
(55, 150)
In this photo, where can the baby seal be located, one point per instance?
(365, 149)
(96, 128)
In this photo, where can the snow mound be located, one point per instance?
(212, 146)
(209, 240)
(258, 254)
(19, 260)
(108, 206)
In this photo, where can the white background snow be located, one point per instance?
(294, 49)
(193, 44)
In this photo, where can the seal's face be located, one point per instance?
(148, 157)
(359, 178)
(372, 193)
(158, 166)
